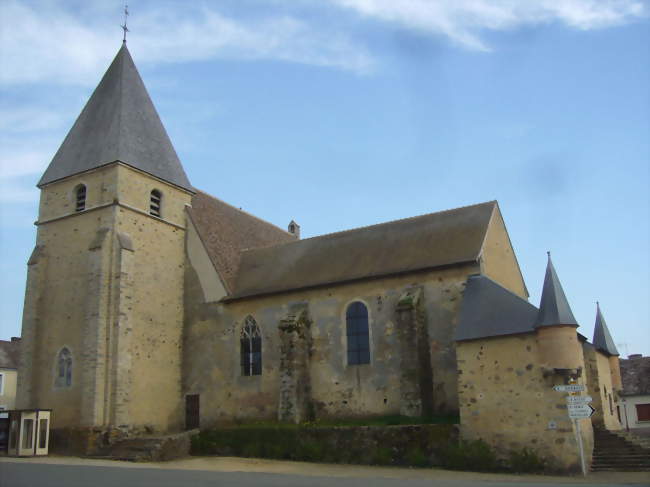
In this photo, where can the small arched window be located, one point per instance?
(356, 327)
(251, 348)
(80, 197)
(155, 203)
(64, 368)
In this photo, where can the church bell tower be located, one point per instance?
(103, 315)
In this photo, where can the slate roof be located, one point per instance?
(225, 231)
(9, 352)
(554, 308)
(423, 242)
(602, 338)
(635, 373)
(119, 123)
(489, 310)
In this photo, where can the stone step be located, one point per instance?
(633, 455)
(617, 453)
(614, 454)
(620, 469)
(149, 449)
(629, 455)
(630, 462)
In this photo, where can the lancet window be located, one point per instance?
(64, 368)
(251, 348)
(356, 324)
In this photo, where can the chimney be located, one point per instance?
(294, 229)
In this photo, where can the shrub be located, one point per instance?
(470, 455)
(382, 456)
(311, 451)
(526, 461)
(415, 457)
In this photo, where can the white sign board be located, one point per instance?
(578, 399)
(580, 411)
(569, 388)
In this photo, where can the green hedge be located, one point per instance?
(411, 445)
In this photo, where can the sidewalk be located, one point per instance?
(231, 464)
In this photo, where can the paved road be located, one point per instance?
(27, 474)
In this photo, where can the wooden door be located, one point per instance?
(192, 413)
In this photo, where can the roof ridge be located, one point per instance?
(242, 211)
(120, 104)
(355, 229)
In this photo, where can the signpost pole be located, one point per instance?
(578, 408)
(576, 422)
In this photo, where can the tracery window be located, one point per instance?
(356, 324)
(80, 198)
(64, 368)
(251, 348)
(155, 204)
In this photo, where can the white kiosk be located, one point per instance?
(29, 432)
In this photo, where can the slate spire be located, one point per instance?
(602, 338)
(119, 123)
(554, 308)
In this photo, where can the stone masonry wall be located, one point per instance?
(508, 400)
(58, 296)
(295, 352)
(212, 335)
(107, 283)
(599, 381)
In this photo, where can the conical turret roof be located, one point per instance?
(602, 338)
(119, 123)
(554, 308)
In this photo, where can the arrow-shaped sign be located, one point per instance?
(569, 388)
(578, 399)
(580, 411)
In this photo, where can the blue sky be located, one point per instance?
(344, 113)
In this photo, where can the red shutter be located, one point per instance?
(643, 412)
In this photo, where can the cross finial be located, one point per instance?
(124, 27)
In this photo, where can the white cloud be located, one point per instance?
(464, 20)
(17, 163)
(28, 119)
(49, 44)
(11, 192)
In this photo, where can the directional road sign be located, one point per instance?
(580, 411)
(578, 399)
(569, 388)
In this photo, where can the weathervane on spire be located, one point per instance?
(124, 27)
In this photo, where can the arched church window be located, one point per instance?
(80, 197)
(251, 348)
(356, 324)
(64, 368)
(155, 204)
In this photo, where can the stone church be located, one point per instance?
(153, 307)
